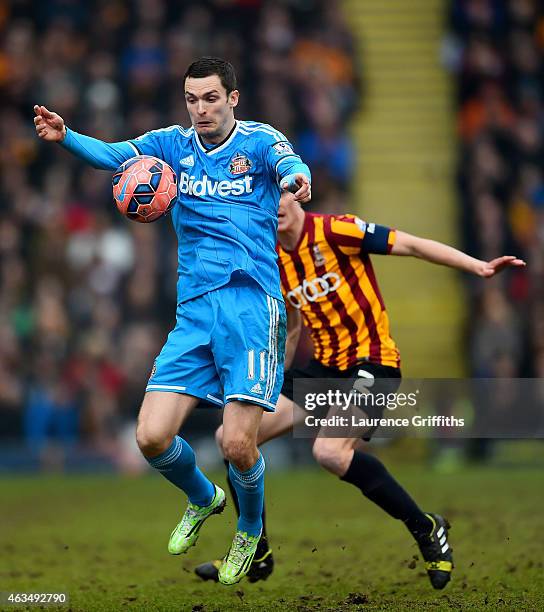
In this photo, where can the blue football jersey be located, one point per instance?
(226, 214)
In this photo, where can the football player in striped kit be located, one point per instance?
(328, 281)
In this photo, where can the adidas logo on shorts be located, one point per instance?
(256, 388)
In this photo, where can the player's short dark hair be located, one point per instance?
(208, 66)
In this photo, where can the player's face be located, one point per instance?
(287, 212)
(210, 108)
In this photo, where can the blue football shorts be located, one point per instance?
(227, 345)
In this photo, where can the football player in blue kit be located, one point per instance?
(227, 346)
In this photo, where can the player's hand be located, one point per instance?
(49, 126)
(298, 184)
(490, 268)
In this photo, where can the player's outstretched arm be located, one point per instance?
(102, 155)
(439, 253)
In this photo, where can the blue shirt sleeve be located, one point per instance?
(280, 157)
(110, 155)
(154, 142)
(97, 153)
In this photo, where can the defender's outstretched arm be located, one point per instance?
(439, 253)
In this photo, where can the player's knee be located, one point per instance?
(328, 454)
(151, 441)
(239, 451)
(219, 438)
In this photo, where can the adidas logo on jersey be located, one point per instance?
(187, 161)
(256, 388)
(208, 187)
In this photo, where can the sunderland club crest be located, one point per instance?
(239, 164)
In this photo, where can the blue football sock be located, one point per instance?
(177, 464)
(249, 486)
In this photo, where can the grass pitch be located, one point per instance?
(103, 541)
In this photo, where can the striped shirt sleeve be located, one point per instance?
(355, 236)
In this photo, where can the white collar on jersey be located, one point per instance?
(220, 146)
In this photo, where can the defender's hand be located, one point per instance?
(299, 184)
(49, 126)
(490, 268)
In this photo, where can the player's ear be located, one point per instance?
(233, 98)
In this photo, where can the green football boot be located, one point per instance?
(261, 566)
(238, 560)
(186, 532)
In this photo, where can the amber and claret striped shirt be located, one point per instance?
(329, 278)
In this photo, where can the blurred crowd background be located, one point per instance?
(87, 298)
(495, 50)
